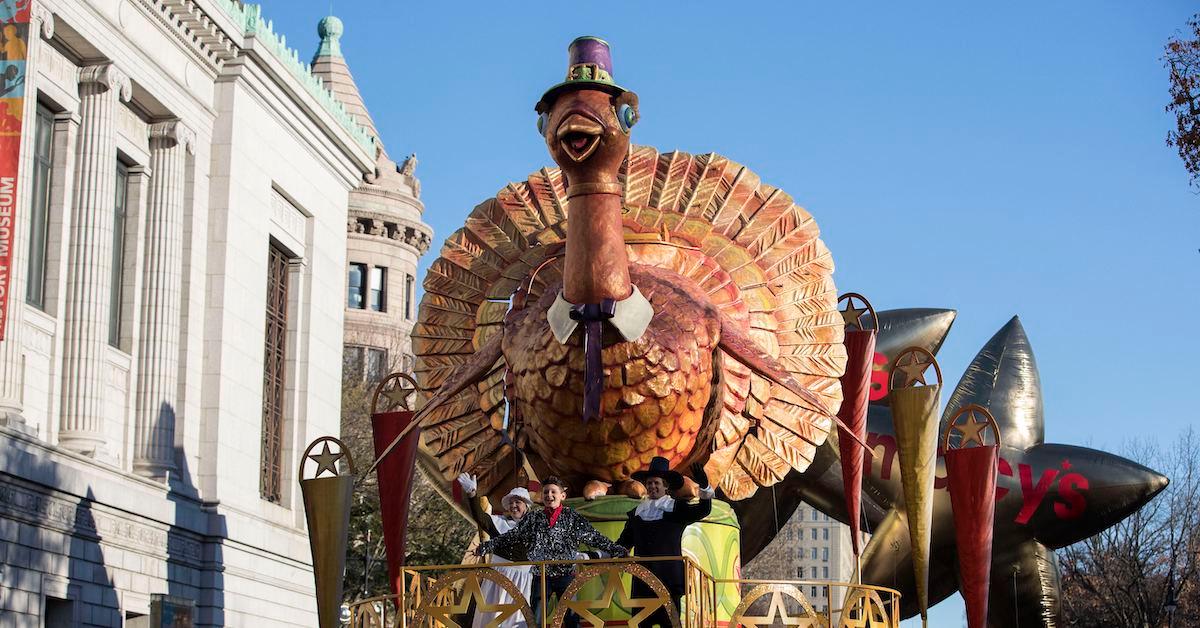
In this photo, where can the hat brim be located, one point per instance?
(508, 498)
(566, 86)
(674, 479)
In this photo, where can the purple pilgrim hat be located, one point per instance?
(590, 66)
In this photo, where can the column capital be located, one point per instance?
(108, 76)
(44, 17)
(176, 132)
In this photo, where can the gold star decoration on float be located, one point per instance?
(912, 365)
(326, 460)
(864, 609)
(852, 316)
(444, 614)
(614, 593)
(970, 430)
(969, 424)
(397, 389)
(777, 613)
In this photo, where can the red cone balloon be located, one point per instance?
(856, 388)
(971, 479)
(395, 476)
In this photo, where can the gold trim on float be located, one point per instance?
(437, 596)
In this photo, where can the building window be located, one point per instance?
(814, 573)
(356, 287)
(825, 534)
(800, 572)
(814, 591)
(814, 553)
(59, 613)
(118, 256)
(35, 289)
(814, 515)
(378, 285)
(825, 572)
(274, 384)
(377, 368)
(814, 534)
(352, 363)
(409, 289)
(825, 554)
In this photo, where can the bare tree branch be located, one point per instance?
(1128, 574)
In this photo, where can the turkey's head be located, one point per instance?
(587, 132)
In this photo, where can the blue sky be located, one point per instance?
(996, 159)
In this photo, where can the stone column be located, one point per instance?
(89, 258)
(158, 342)
(12, 368)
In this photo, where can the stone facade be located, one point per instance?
(811, 546)
(385, 236)
(187, 148)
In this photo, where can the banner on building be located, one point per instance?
(14, 36)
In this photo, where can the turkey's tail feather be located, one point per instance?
(739, 346)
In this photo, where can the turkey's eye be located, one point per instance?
(626, 117)
(542, 121)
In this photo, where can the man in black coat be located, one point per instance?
(655, 528)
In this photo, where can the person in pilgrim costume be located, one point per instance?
(655, 528)
(553, 533)
(516, 505)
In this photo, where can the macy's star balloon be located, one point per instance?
(1048, 495)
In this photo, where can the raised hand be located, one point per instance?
(699, 475)
(469, 484)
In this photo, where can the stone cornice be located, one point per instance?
(221, 33)
(193, 28)
(391, 193)
(367, 224)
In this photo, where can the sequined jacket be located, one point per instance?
(534, 538)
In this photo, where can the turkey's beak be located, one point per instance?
(579, 135)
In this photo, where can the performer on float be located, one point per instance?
(516, 505)
(655, 528)
(553, 533)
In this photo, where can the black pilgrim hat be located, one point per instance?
(661, 468)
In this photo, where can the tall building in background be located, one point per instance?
(385, 236)
(174, 335)
(810, 546)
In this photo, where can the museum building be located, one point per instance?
(185, 194)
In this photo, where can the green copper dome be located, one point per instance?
(330, 29)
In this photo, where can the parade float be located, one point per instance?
(687, 311)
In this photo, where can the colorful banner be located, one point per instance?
(14, 35)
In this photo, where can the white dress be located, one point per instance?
(521, 576)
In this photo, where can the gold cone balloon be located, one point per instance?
(327, 509)
(915, 416)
